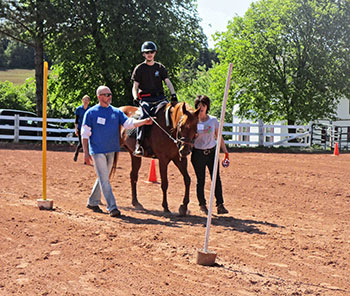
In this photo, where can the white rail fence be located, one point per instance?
(18, 128)
(21, 128)
(267, 135)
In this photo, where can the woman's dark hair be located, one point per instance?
(202, 99)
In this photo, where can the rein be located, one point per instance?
(176, 141)
(157, 124)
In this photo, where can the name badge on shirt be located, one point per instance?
(101, 120)
(200, 127)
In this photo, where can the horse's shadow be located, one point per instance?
(173, 220)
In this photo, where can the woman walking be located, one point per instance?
(203, 154)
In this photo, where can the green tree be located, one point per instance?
(206, 82)
(30, 22)
(207, 58)
(101, 40)
(291, 57)
(3, 59)
(19, 56)
(20, 97)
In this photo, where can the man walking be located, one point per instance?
(100, 133)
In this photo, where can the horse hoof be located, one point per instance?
(138, 206)
(182, 211)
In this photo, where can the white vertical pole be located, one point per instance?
(215, 169)
(44, 148)
(17, 123)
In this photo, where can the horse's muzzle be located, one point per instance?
(184, 150)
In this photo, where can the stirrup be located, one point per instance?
(138, 151)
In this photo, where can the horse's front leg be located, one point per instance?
(163, 168)
(134, 174)
(182, 166)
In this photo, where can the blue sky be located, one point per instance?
(215, 14)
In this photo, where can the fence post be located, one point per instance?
(16, 130)
(340, 131)
(233, 121)
(261, 133)
(311, 137)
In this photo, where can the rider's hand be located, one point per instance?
(226, 162)
(174, 99)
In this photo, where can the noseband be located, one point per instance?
(182, 140)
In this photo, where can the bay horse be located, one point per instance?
(169, 138)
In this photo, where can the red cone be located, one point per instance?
(336, 149)
(152, 172)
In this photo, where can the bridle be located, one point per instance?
(182, 140)
(178, 141)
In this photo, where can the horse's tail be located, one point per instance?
(114, 166)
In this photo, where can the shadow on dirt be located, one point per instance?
(173, 220)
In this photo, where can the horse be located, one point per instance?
(169, 138)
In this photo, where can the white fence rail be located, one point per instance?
(18, 128)
(267, 135)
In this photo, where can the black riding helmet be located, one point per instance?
(148, 46)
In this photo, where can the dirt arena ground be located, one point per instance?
(287, 233)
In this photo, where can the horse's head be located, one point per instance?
(186, 121)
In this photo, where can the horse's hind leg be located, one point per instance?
(182, 166)
(134, 174)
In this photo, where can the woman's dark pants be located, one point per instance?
(200, 161)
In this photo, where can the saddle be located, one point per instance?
(148, 152)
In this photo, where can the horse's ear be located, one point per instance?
(184, 110)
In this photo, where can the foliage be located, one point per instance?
(19, 97)
(291, 57)
(19, 56)
(15, 55)
(98, 42)
(101, 40)
(59, 105)
(3, 59)
(207, 58)
(30, 22)
(206, 82)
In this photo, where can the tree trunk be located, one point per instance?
(39, 62)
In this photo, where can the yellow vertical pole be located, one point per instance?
(44, 128)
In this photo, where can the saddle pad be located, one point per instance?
(131, 133)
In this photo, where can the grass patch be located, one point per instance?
(16, 76)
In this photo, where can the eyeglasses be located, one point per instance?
(150, 52)
(106, 95)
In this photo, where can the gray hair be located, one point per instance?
(100, 88)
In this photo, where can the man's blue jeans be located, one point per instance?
(103, 163)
